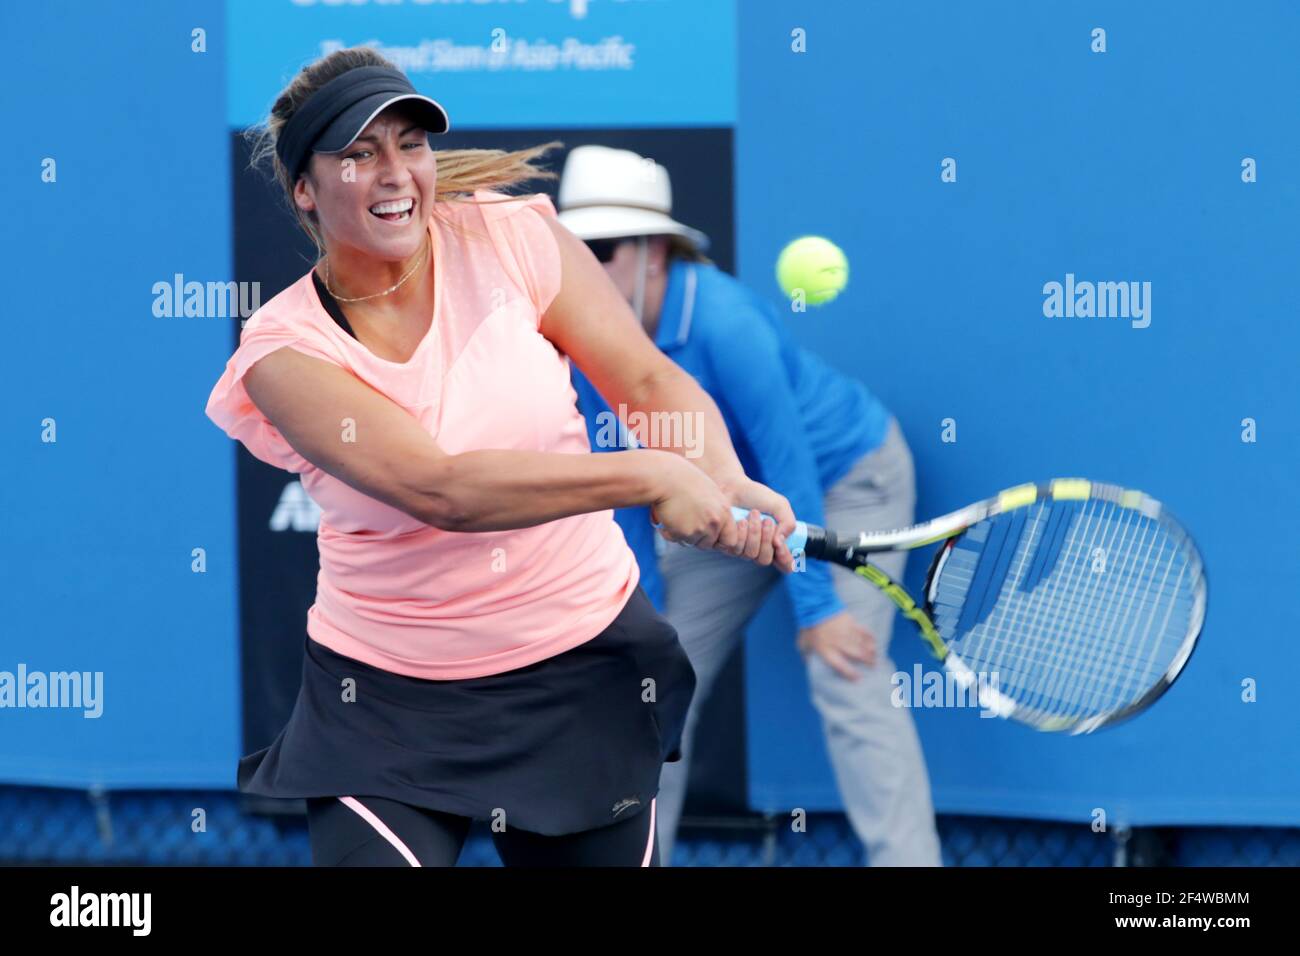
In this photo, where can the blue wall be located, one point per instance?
(99, 526)
(1116, 166)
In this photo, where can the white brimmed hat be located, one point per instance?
(610, 193)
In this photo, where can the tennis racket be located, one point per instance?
(1070, 605)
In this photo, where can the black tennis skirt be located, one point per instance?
(571, 743)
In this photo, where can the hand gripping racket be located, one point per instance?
(1070, 605)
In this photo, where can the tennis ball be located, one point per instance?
(815, 265)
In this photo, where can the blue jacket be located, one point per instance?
(797, 424)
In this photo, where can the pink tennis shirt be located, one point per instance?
(400, 594)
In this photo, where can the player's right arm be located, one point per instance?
(390, 457)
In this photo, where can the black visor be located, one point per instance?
(335, 115)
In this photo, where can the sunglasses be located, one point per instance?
(603, 249)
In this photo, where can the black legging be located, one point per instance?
(373, 831)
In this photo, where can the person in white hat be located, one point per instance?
(816, 436)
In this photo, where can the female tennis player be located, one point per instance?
(479, 647)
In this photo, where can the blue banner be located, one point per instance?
(507, 63)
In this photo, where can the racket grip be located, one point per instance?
(796, 541)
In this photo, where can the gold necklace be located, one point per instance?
(389, 290)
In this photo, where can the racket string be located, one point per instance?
(1089, 598)
(1083, 640)
(1084, 669)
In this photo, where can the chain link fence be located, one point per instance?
(209, 828)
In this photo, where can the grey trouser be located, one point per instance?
(873, 745)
